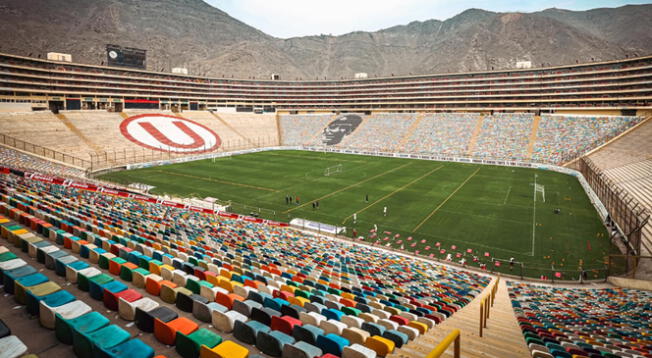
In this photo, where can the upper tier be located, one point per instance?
(619, 84)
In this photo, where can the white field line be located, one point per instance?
(534, 213)
(507, 195)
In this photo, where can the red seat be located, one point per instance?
(111, 299)
(399, 319)
(285, 324)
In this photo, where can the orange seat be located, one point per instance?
(114, 267)
(166, 332)
(227, 300)
(153, 284)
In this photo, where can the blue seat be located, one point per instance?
(61, 263)
(399, 338)
(307, 333)
(134, 348)
(332, 343)
(247, 332)
(373, 329)
(331, 313)
(272, 342)
(10, 276)
(59, 298)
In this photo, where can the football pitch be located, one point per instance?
(432, 206)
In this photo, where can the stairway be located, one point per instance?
(533, 136)
(228, 125)
(475, 135)
(78, 133)
(501, 339)
(408, 134)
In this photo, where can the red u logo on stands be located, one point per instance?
(169, 134)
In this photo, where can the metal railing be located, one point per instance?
(626, 265)
(486, 303)
(43, 152)
(453, 337)
(623, 209)
(117, 158)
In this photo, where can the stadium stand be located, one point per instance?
(571, 322)
(380, 131)
(504, 136)
(562, 138)
(500, 136)
(304, 129)
(343, 296)
(446, 133)
(19, 160)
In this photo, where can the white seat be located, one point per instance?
(388, 324)
(12, 347)
(332, 326)
(381, 313)
(179, 277)
(210, 292)
(167, 272)
(358, 351)
(352, 321)
(312, 318)
(411, 332)
(355, 335)
(68, 311)
(408, 315)
(12, 264)
(224, 321)
(127, 310)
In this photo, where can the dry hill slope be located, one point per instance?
(208, 41)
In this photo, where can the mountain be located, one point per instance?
(193, 34)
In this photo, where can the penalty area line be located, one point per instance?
(393, 192)
(445, 200)
(348, 187)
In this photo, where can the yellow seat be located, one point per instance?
(382, 346)
(287, 288)
(299, 301)
(227, 349)
(422, 327)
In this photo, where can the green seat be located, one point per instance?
(193, 285)
(85, 275)
(188, 345)
(101, 339)
(6, 256)
(65, 330)
(351, 311)
(126, 273)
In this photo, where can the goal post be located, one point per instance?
(333, 170)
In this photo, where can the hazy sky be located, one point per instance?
(289, 18)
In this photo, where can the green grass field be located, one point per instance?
(484, 208)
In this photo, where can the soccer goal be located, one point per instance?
(222, 157)
(333, 170)
(539, 189)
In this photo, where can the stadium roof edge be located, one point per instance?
(579, 65)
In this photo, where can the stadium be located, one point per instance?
(492, 213)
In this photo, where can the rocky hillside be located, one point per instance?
(193, 34)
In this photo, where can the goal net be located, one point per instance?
(333, 170)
